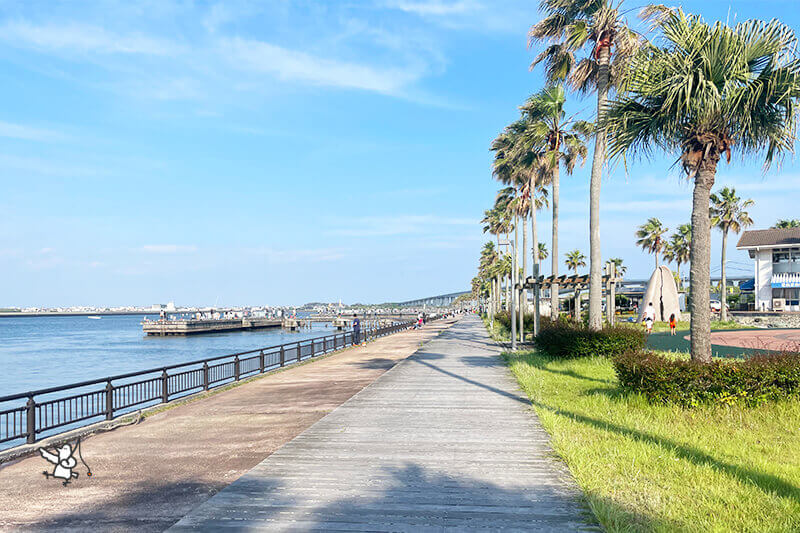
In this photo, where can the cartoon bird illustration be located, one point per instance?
(64, 462)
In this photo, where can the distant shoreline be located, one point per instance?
(81, 313)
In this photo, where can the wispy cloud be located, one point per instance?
(435, 7)
(294, 65)
(28, 133)
(168, 248)
(309, 255)
(83, 38)
(398, 225)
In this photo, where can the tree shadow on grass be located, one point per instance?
(768, 483)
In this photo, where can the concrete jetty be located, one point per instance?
(194, 326)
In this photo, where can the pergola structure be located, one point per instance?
(610, 280)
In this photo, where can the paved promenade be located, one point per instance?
(444, 440)
(147, 476)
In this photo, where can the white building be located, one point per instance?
(777, 267)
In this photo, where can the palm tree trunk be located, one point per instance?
(700, 270)
(535, 259)
(723, 293)
(595, 254)
(656, 254)
(554, 251)
(680, 281)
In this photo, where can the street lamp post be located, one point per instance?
(514, 276)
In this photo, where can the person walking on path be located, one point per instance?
(672, 324)
(356, 331)
(649, 318)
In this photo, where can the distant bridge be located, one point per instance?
(442, 300)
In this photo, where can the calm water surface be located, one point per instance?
(39, 352)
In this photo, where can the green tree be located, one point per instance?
(542, 251)
(787, 223)
(650, 237)
(708, 90)
(575, 260)
(677, 249)
(728, 213)
(557, 140)
(618, 266)
(582, 36)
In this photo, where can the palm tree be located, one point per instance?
(486, 275)
(495, 222)
(575, 260)
(787, 223)
(542, 251)
(618, 266)
(557, 141)
(678, 248)
(596, 28)
(728, 214)
(650, 237)
(707, 90)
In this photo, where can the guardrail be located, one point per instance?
(48, 409)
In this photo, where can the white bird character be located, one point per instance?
(64, 462)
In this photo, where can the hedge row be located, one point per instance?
(565, 338)
(504, 318)
(684, 382)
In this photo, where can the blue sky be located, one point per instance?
(282, 151)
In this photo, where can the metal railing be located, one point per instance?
(48, 409)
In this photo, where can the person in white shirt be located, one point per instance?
(649, 317)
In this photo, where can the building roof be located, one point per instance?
(769, 237)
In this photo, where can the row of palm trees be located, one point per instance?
(728, 214)
(698, 91)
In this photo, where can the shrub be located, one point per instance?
(504, 318)
(565, 338)
(684, 382)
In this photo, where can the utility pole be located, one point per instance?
(513, 303)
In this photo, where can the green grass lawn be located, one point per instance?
(684, 326)
(660, 468)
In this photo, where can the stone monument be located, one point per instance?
(663, 293)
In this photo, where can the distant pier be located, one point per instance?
(163, 328)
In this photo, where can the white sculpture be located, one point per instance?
(663, 294)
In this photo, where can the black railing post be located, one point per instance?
(312, 348)
(205, 375)
(298, 351)
(236, 367)
(109, 400)
(261, 362)
(164, 386)
(31, 424)
(283, 355)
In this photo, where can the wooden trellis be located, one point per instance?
(610, 281)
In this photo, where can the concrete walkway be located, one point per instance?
(444, 440)
(147, 476)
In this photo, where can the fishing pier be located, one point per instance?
(163, 328)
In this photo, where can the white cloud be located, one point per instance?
(27, 133)
(398, 225)
(168, 248)
(313, 255)
(435, 7)
(294, 65)
(73, 37)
